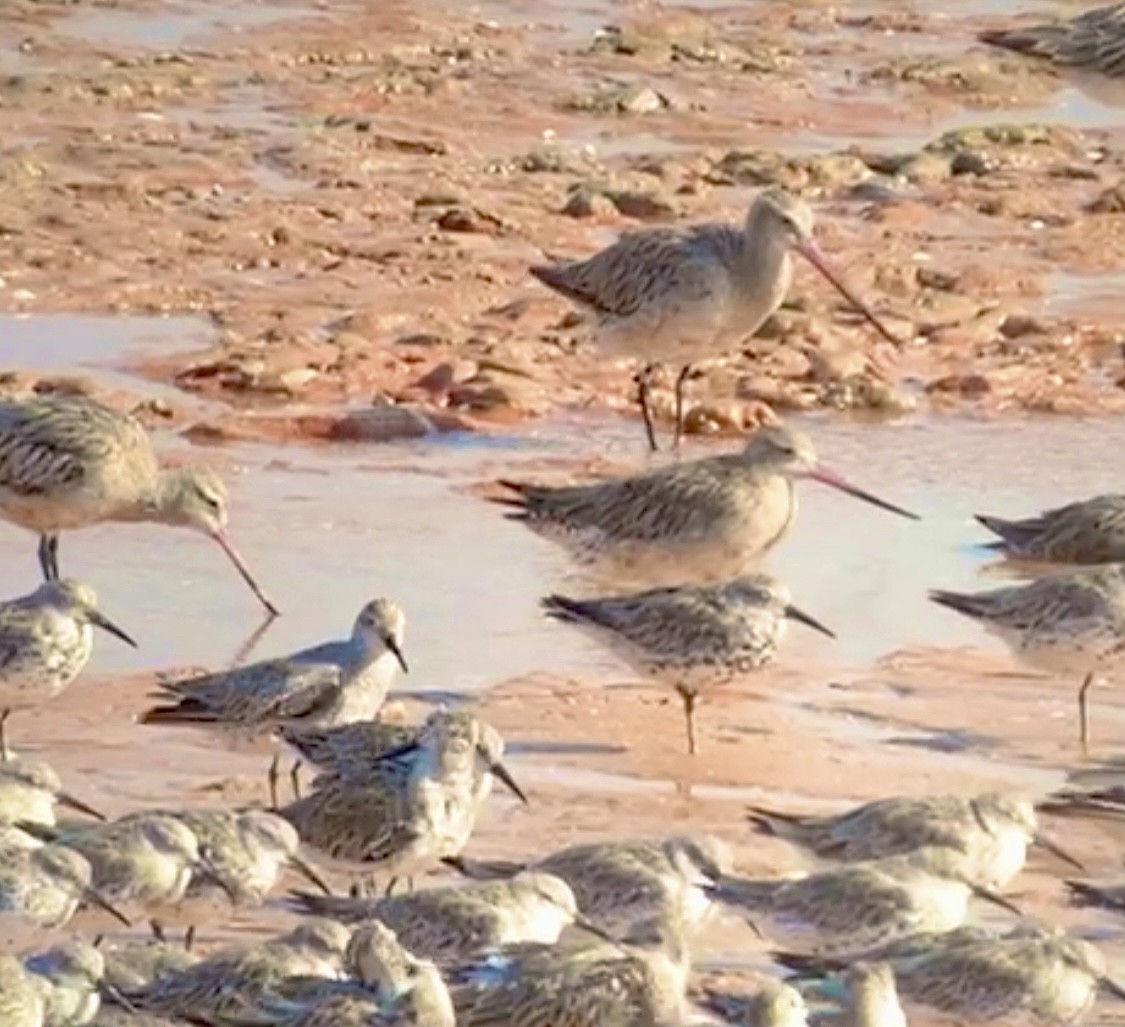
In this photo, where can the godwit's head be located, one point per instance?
(778, 218)
(781, 216)
(786, 451)
(196, 498)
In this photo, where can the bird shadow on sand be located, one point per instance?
(564, 748)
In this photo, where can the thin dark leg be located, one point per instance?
(644, 398)
(4, 754)
(682, 379)
(189, 938)
(391, 885)
(689, 720)
(273, 782)
(49, 557)
(295, 779)
(158, 931)
(1083, 714)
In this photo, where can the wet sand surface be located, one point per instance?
(911, 699)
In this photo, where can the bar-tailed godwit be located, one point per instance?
(70, 462)
(1086, 532)
(695, 521)
(685, 295)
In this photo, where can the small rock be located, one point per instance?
(970, 386)
(1111, 201)
(585, 202)
(642, 205)
(1015, 326)
(969, 162)
(422, 339)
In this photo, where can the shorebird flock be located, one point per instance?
(392, 922)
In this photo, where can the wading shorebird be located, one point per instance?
(641, 980)
(698, 522)
(47, 884)
(69, 462)
(774, 1004)
(413, 807)
(30, 790)
(388, 986)
(329, 684)
(1032, 975)
(132, 965)
(993, 831)
(247, 851)
(1068, 623)
(693, 638)
(859, 906)
(46, 639)
(71, 976)
(685, 295)
(1091, 41)
(619, 883)
(1088, 532)
(220, 989)
(144, 859)
(21, 997)
(346, 748)
(453, 923)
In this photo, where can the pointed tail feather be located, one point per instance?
(570, 611)
(805, 966)
(1084, 893)
(1036, 40)
(484, 869)
(187, 711)
(771, 822)
(1013, 535)
(969, 605)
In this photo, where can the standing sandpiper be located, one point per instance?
(458, 921)
(618, 883)
(69, 462)
(1069, 623)
(1087, 532)
(693, 638)
(993, 831)
(414, 806)
(46, 639)
(224, 986)
(30, 790)
(859, 906)
(1091, 41)
(331, 683)
(640, 981)
(696, 521)
(685, 295)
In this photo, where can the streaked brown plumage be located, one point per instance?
(693, 638)
(1093, 40)
(46, 638)
(1065, 623)
(1087, 532)
(692, 293)
(68, 462)
(411, 808)
(690, 522)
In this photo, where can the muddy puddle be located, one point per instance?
(326, 528)
(910, 698)
(174, 26)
